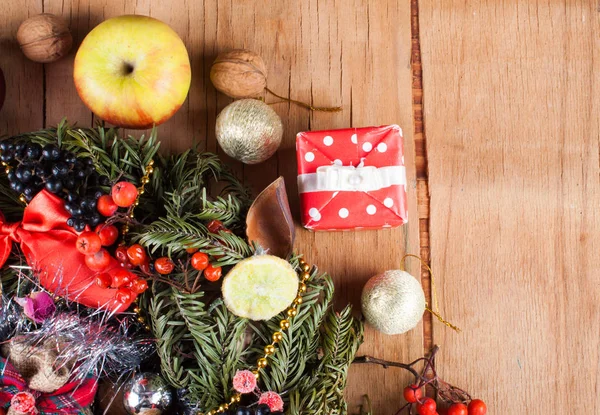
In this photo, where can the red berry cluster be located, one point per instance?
(97, 258)
(127, 283)
(201, 263)
(453, 399)
(413, 394)
(123, 194)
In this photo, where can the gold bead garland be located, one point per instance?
(144, 180)
(125, 229)
(140, 317)
(276, 337)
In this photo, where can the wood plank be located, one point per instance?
(511, 112)
(356, 53)
(24, 105)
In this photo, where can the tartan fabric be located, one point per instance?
(72, 398)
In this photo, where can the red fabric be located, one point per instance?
(344, 210)
(71, 398)
(48, 244)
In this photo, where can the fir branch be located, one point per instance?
(323, 392)
(298, 350)
(175, 234)
(170, 333)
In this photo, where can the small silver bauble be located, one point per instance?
(147, 394)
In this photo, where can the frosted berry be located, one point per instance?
(244, 381)
(272, 399)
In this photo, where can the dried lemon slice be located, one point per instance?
(260, 287)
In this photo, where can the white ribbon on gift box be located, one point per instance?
(336, 178)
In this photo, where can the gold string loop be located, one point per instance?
(303, 104)
(435, 311)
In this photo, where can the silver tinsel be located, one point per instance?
(147, 393)
(249, 131)
(92, 343)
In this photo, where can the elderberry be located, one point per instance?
(23, 173)
(262, 409)
(79, 225)
(243, 410)
(33, 151)
(60, 169)
(51, 152)
(54, 185)
(33, 167)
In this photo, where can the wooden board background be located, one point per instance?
(354, 53)
(507, 150)
(511, 105)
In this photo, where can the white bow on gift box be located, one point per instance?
(351, 179)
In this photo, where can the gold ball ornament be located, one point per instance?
(393, 302)
(44, 38)
(239, 73)
(249, 131)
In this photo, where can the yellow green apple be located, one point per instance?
(133, 71)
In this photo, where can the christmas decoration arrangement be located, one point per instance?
(159, 278)
(108, 225)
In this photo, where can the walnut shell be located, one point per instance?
(44, 38)
(239, 74)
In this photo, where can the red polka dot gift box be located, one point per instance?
(352, 178)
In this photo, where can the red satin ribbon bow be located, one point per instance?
(71, 398)
(48, 244)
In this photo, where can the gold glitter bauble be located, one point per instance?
(249, 131)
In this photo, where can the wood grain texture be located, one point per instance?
(355, 53)
(511, 105)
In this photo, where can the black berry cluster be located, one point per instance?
(33, 168)
(245, 410)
